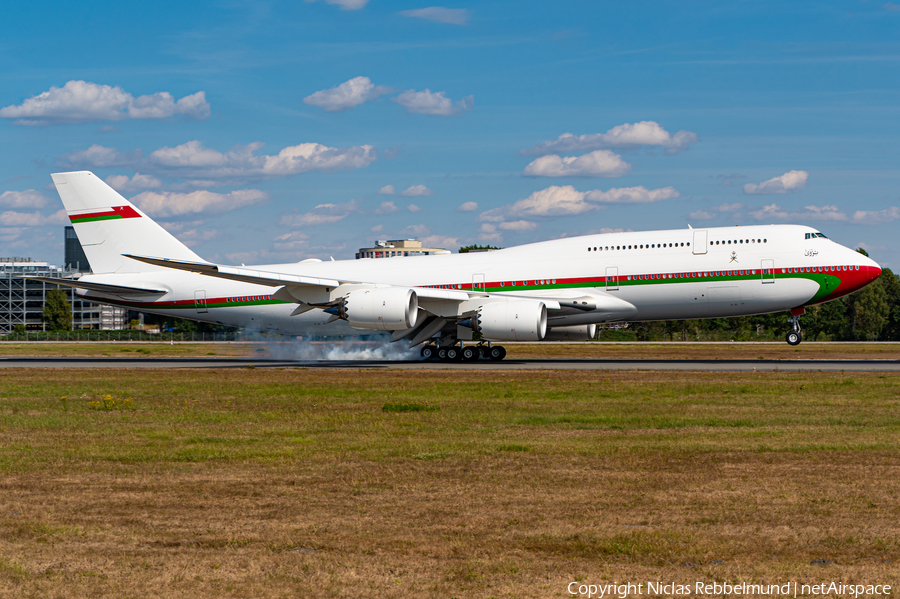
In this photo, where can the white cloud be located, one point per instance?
(346, 4)
(865, 217)
(700, 215)
(425, 102)
(100, 156)
(790, 181)
(323, 214)
(122, 183)
(291, 242)
(195, 160)
(773, 212)
(729, 207)
(567, 201)
(11, 218)
(166, 203)
(488, 232)
(417, 191)
(174, 227)
(599, 163)
(193, 153)
(377, 228)
(518, 225)
(452, 16)
(629, 135)
(632, 195)
(84, 102)
(417, 230)
(10, 234)
(30, 198)
(346, 95)
(440, 241)
(468, 207)
(386, 208)
(413, 208)
(553, 201)
(194, 237)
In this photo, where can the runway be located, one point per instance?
(532, 364)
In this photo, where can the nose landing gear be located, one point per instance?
(794, 336)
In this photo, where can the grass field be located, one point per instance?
(307, 483)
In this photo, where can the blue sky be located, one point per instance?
(276, 131)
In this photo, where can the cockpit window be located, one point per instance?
(814, 235)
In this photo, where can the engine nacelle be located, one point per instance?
(584, 332)
(382, 309)
(515, 320)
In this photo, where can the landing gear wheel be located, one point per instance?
(442, 353)
(496, 353)
(452, 354)
(428, 352)
(470, 354)
(794, 337)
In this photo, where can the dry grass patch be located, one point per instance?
(278, 483)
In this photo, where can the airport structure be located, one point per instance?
(398, 247)
(22, 299)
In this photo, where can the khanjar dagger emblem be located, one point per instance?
(733, 257)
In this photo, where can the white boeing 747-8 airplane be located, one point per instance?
(551, 290)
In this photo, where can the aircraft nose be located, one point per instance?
(872, 268)
(874, 272)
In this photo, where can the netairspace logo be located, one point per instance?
(787, 589)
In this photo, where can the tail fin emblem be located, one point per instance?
(114, 213)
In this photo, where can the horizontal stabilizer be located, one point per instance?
(100, 287)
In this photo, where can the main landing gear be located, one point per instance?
(462, 352)
(795, 335)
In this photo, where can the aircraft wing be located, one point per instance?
(246, 275)
(100, 287)
(276, 279)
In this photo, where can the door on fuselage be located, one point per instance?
(200, 301)
(612, 278)
(699, 241)
(767, 268)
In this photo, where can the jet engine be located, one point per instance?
(584, 332)
(381, 309)
(515, 320)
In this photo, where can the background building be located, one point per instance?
(398, 247)
(75, 259)
(22, 299)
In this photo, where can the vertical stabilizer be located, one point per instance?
(108, 226)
